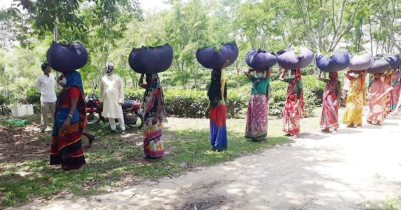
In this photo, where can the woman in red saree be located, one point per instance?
(153, 145)
(69, 123)
(331, 102)
(294, 109)
(378, 90)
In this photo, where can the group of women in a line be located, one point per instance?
(383, 93)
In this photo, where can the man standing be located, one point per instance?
(112, 96)
(45, 84)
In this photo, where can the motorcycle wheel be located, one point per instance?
(92, 118)
(140, 119)
(134, 120)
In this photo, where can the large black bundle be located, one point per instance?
(260, 59)
(211, 59)
(151, 60)
(379, 66)
(295, 59)
(394, 61)
(360, 62)
(337, 62)
(68, 57)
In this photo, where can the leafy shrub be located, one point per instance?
(3, 105)
(32, 96)
(134, 93)
(194, 104)
(186, 103)
(3, 100)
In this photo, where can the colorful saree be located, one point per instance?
(387, 108)
(395, 93)
(377, 100)
(218, 129)
(354, 105)
(294, 109)
(257, 117)
(329, 118)
(66, 147)
(218, 112)
(258, 109)
(153, 146)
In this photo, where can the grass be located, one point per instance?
(391, 204)
(114, 161)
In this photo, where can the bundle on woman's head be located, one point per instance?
(297, 58)
(67, 57)
(212, 58)
(260, 59)
(151, 60)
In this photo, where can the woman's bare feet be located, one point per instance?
(327, 130)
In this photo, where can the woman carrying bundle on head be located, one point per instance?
(258, 108)
(378, 90)
(294, 109)
(69, 124)
(218, 60)
(62, 81)
(217, 94)
(153, 116)
(331, 102)
(354, 104)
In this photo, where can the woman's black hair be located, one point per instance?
(214, 92)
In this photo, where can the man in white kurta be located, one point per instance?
(112, 96)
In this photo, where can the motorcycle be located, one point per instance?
(132, 111)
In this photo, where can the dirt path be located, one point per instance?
(350, 170)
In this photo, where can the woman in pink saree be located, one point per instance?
(378, 91)
(258, 106)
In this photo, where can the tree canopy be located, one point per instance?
(109, 29)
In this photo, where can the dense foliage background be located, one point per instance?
(111, 28)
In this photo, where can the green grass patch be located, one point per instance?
(391, 204)
(118, 161)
